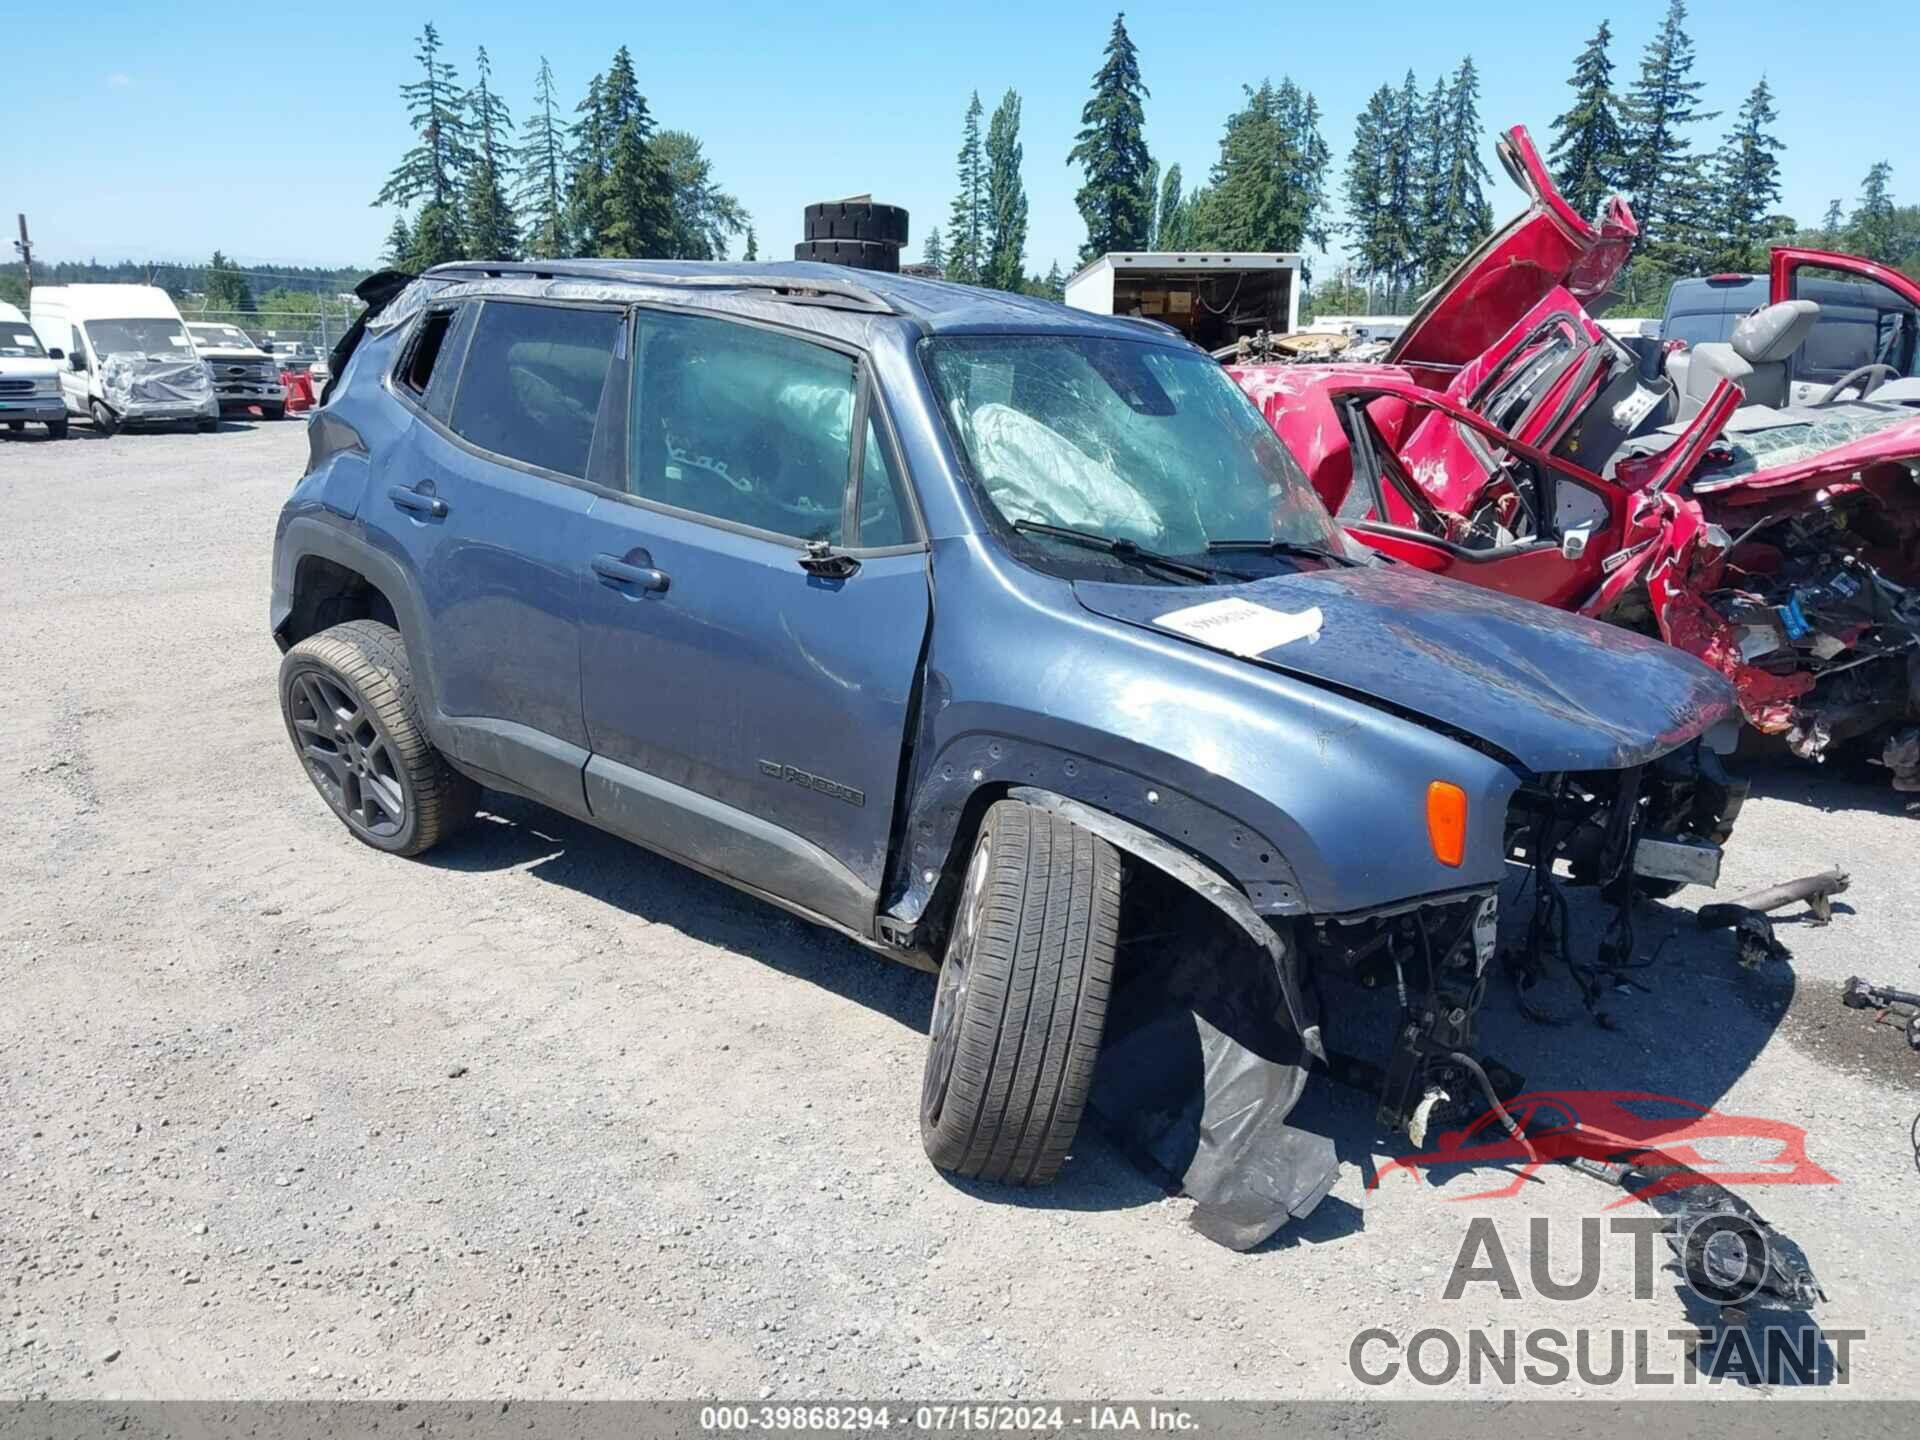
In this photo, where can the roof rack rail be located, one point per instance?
(798, 290)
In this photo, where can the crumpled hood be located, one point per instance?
(1556, 692)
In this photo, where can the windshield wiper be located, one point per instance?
(1275, 545)
(1122, 549)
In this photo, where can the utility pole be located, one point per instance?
(25, 247)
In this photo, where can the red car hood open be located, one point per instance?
(1547, 245)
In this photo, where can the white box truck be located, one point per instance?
(128, 357)
(1213, 297)
(29, 378)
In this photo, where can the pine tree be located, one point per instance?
(752, 252)
(1658, 110)
(542, 161)
(227, 290)
(1265, 188)
(636, 200)
(1588, 144)
(1748, 182)
(933, 252)
(1365, 185)
(1401, 193)
(1832, 224)
(1054, 286)
(705, 217)
(436, 236)
(966, 227)
(588, 161)
(1003, 264)
(492, 231)
(1455, 213)
(440, 156)
(1435, 152)
(1169, 231)
(1870, 228)
(399, 254)
(1111, 152)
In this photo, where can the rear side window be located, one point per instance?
(531, 385)
(745, 426)
(416, 368)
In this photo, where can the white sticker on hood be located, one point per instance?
(1241, 627)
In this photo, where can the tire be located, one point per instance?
(104, 420)
(206, 427)
(856, 220)
(16, 426)
(57, 429)
(1022, 998)
(273, 412)
(382, 760)
(856, 254)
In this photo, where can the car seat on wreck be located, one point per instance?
(1754, 358)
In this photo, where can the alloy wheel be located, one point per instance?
(349, 757)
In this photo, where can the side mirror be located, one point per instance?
(1573, 544)
(56, 353)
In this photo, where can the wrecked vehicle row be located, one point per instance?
(1730, 506)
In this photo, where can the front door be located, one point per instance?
(747, 699)
(76, 384)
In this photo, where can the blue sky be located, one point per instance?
(168, 130)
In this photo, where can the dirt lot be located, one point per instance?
(545, 1115)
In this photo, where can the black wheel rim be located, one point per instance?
(950, 995)
(348, 756)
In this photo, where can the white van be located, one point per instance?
(129, 360)
(29, 379)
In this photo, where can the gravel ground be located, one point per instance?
(544, 1115)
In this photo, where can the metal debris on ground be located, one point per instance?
(1747, 916)
(1900, 1004)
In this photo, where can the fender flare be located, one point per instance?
(1205, 882)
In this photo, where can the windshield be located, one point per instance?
(164, 338)
(17, 341)
(1137, 442)
(221, 337)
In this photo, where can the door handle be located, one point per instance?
(415, 501)
(619, 572)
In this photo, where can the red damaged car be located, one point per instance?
(1769, 527)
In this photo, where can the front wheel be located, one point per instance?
(57, 429)
(1022, 998)
(354, 718)
(104, 420)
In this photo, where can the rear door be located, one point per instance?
(746, 704)
(486, 493)
(1869, 315)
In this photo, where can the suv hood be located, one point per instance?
(1556, 692)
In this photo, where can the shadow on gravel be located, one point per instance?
(1850, 781)
(1690, 1024)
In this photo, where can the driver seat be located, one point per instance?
(1754, 358)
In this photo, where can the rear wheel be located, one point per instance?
(104, 420)
(354, 718)
(1022, 998)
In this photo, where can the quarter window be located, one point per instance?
(416, 369)
(531, 385)
(744, 425)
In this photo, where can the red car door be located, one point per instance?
(1869, 317)
(1529, 524)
